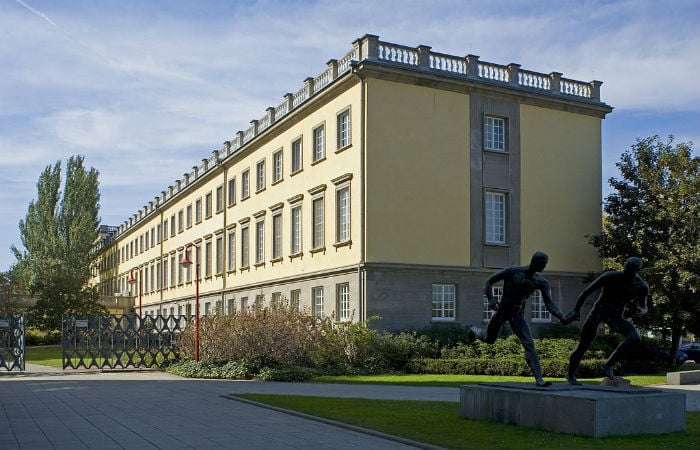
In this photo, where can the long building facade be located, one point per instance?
(390, 186)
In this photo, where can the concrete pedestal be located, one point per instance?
(585, 410)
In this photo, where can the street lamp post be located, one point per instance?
(186, 262)
(133, 280)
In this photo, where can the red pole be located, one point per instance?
(196, 309)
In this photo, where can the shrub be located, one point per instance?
(291, 374)
(510, 366)
(34, 336)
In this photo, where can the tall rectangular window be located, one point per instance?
(173, 264)
(497, 295)
(318, 223)
(153, 236)
(232, 191)
(276, 300)
(277, 166)
(245, 262)
(277, 236)
(539, 312)
(343, 214)
(317, 306)
(158, 234)
(295, 298)
(180, 269)
(343, 294)
(165, 230)
(495, 217)
(297, 156)
(260, 176)
(319, 143)
(219, 268)
(146, 240)
(443, 302)
(188, 216)
(207, 205)
(231, 251)
(244, 304)
(296, 230)
(180, 221)
(198, 210)
(344, 129)
(163, 279)
(172, 225)
(494, 133)
(260, 242)
(245, 184)
(207, 259)
(219, 198)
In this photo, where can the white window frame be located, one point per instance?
(297, 155)
(232, 191)
(487, 312)
(245, 247)
(277, 236)
(296, 229)
(444, 302)
(295, 298)
(495, 211)
(277, 166)
(318, 219)
(319, 142)
(231, 262)
(495, 133)
(538, 311)
(344, 129)
(342, 214)
(343, 295)
(317, 301)
(260, 176)
(219, 266)
(245, 184)
(260, 241)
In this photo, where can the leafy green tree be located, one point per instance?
(655, 214)
(58, 234)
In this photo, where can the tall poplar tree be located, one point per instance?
(655, 214)
(58, 234)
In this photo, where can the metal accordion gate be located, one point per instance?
(12, 341)
(120, 341)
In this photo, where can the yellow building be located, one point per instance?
(392, 185)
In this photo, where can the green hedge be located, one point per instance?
(513, 366)
(34, 336)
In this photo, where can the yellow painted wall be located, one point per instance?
(561, 187)
(417, 171)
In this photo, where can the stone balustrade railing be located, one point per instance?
(370, 48)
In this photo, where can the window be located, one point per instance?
(140, 245)
(319, 143)
(488, 312)
(277, 166)
(219, 268)
(539, 311)
(198, 210)
(344, 129)
(244, 247)
(295, 298)
(153, 236)
(207, 308)
(443, 302)
(188, 216)
(207, 205)
(260, 242)
(230, 306)
(297, 156)
(180, 221)
(343, 302)
(495, 134)
(318, 223)
(220, 198)
(207, 259)
(495, 211)
(231, 250)
(244, 304)
(173, 264)
(172, 225)
(296, 230)
(260, 176)
(277, 236)
(153, 278)
(317, 306)
(188, 269)
(165, 230)
(146, 240)
(161, 270)
(180, 278)
(276, 300)
(343, 214)
(245, 184)
(232, 191)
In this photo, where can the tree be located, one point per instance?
(58, 234)
(655, 214)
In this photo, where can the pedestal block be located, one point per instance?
(584, 410)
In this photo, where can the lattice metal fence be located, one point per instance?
(12, 341)
(120, 341)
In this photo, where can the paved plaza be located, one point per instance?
(45, 408)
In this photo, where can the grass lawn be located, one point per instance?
(439, 423)
(456, 380)
(47, 355)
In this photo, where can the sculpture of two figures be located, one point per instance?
(618, 289)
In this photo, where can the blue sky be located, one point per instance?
(145, 90)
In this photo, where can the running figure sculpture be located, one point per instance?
(618, 290)
(518, 284)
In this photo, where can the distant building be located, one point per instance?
(390, 185)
